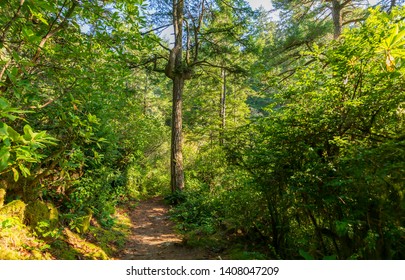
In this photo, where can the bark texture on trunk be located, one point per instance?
(177, 71)
(176, 161)
(337, 18)
(222, 112)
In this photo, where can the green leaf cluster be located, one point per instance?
(329, 156)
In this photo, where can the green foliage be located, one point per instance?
(329, 157)
(98, 193)
(238, 254)
(18, 243)
(194, 211)
(43, 218)
(69, 115)
(20, 150)
(38, 211)
(314, 170)
(15, 208)
(83, 248)
(45, 230)
(112, 240)
(222, 216)
(148, 168)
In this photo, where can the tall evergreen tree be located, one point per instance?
(191, 22)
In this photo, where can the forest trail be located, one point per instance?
(153, 237)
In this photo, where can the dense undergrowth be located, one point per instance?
(322, 175)
(315, 170)
(61, 241)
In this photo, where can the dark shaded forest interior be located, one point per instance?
(202, 129)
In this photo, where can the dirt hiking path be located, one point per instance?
(153, 237)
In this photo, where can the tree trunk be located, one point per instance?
(145, 102)
(222, 112)
(337, 18)
(175, 71)
(176, 161)
(393, 3)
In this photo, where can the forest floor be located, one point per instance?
(153, 236)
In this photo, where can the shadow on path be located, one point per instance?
(152, 235)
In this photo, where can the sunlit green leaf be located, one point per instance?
(24, 170)
(14, 135)
(15, 174)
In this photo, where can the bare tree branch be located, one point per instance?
(155, 29)
(8, 24)
(51, 32)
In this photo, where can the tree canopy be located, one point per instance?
(284, 134)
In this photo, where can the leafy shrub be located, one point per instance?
(328, 159)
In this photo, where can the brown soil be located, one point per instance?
(153, 237)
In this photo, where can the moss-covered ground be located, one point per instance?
(47, 241)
